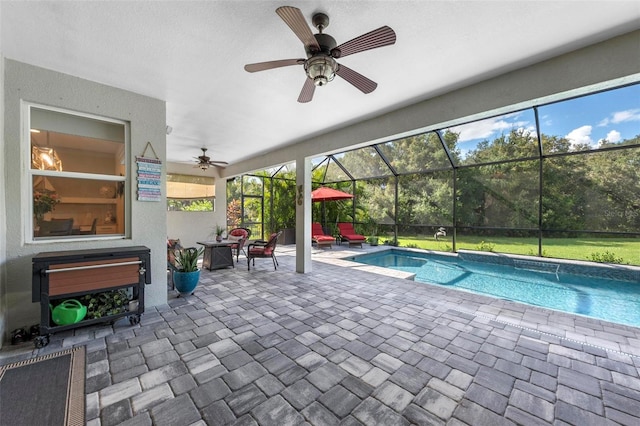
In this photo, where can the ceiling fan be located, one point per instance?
(204, 162)
(322, 51)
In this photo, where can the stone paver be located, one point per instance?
(342, 346)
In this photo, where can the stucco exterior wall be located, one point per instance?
(3, 222)
(147, 220)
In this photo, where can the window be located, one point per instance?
(190, 193)
(77, 172)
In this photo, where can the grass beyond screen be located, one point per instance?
(564, 248)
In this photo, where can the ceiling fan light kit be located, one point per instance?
(204, 161)
(322, 51)
(321, 69)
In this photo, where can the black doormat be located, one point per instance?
(47, 390)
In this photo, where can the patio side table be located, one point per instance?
(217, 254)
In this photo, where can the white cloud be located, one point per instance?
(621, 116)
(628, 115)
(581, 135)
(485, 128)
(613, 136)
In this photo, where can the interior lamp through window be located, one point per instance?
(44, 158)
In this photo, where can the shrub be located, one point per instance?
(606, 257)
(392, 242)
(412, 245)
(485, 246)
(532, 253)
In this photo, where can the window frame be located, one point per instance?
(30, 173)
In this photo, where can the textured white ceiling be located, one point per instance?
(191, 54)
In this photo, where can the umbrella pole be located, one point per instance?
(324, 215)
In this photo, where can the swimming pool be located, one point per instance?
(534, 282)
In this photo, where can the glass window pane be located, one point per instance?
(416, 153)
(190, 187)
(91, 207)
(505, 137)
(591, 122)
(64, 142)
(499, 195)
(78, 175)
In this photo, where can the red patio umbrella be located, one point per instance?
(328, 194)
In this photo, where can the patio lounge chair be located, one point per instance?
(262, 249)
(319, 237)
(238, 237)
(348, 234)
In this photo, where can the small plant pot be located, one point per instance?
(186, 282)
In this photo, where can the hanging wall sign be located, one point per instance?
(149, 176)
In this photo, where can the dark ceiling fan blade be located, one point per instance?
(306, 94)
(263, 66)
(383, 36)
(358, 80)
(292, 16)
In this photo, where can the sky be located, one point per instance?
(613, 115)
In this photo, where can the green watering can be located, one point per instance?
(68, 312)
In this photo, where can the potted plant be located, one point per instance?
(219, 231)
(100, 305)
(187, 275)
(372, 240)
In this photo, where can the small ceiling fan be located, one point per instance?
(204, 162)
(322, 51)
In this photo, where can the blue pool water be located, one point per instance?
(611, 300)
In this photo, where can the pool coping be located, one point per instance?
(567, 266)
(628, 273)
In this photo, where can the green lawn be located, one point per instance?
(565, 248)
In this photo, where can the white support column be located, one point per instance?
(220, 209)
(303, 215)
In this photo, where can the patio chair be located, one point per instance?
(348, 234)
(263, 249)
(319, 237)
(237, 237)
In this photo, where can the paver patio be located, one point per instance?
(343, 346)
